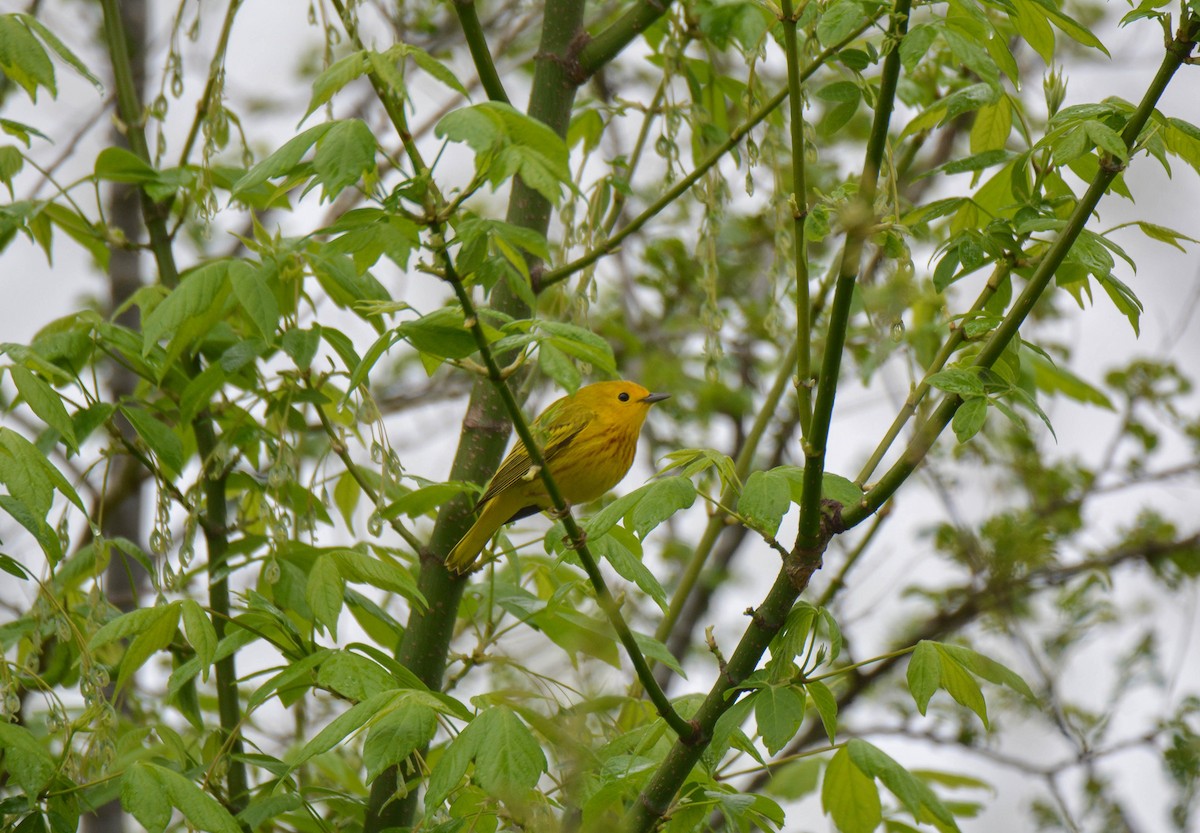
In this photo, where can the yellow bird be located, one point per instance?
(588, 440)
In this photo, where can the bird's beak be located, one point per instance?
(655, 397)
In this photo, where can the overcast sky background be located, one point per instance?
(263, 59)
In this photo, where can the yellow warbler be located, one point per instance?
(588, 440)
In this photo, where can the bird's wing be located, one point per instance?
(554, 432)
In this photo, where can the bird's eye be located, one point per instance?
(623, 396)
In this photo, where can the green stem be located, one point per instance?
(609, 43)
(716, 521)
(215, 518)
(799, 202)
(648, 809)
(811, 538)
(468, 20)
(655, 799)
(1177, 52)
(133, 116)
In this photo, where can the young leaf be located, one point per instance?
(765, 499)
(29, 765)
(201, 810)
(826, 705)
(849, 797)
(144, 797)
(914, 794)
(325, 593)
(44, 402)
(160, 439)
(779, 711)
(970, 417)
(924, 674)
(508, 758)
(201, 634)
(957, 380)
(663, 499)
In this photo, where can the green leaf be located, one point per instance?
(59, 48)
(992, 126)
(160, 439)
(396, 736)
(345, 724)
(924, 674)
(144, 797)
(990, 670)
(663, 499)
(779, 711)
(430, 65)
(508, 758)
(765, 499)
(334, 77)
(796, 779)
(618, 548)
(1165, 235)
(826, 705)
(508, 143)
(658, 652)
(199, 808)
(45, 535)
(425, 500)
(970, 417)
(30, 766)
(29, 476)
(116, 164)
(1032, 25)
(302, 344)
(295, 675)
(442, 334)
(582, 344)
(354, 676)
(1051, 378)
(959, 684)
(1107, 139)
(282, 161)
(157, 634)
(958, 380)
(44, 402)
(1123, 298)
(838, 21)
(363, 569)
(201, 634)
(850, 797)
(23, 59)
(1069, 25)
(325, 593)
(841, 489)
(198, 293)
(345, 154)
(914, 794)
(251, 289)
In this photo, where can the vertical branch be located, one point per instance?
(468, 21)
(214, 519)
(810, 540)
(799, 204)
(766, 620)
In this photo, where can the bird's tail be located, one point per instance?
(462, 558)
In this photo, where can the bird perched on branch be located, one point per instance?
(588, 440)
